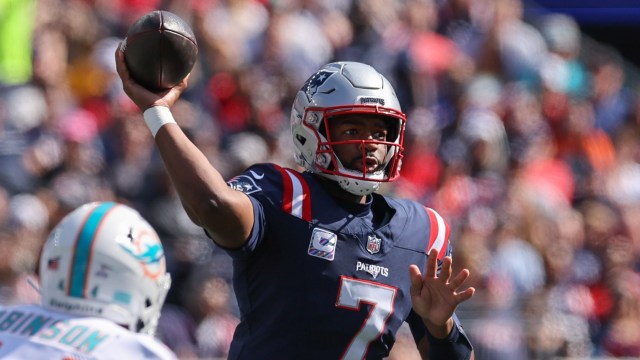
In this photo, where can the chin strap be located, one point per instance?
(358, 187)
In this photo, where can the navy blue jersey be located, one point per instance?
(323, 278)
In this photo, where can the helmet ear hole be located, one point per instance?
(322, 129)
(301, 139)
(139, 325)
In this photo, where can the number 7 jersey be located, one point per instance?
(323, 278)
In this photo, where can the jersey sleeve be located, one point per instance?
(418, 329)
(269, 189)
(439, 232)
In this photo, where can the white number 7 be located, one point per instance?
(352, 293)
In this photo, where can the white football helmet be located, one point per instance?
(343, 88)
(103, 259)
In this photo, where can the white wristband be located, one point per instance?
(156, 117)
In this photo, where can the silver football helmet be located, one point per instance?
(103, 259)
(344, 88)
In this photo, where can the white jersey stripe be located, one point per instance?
(297, 198)
(442, 233)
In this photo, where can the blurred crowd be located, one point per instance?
(522, 132)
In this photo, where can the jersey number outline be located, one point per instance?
(351, 294)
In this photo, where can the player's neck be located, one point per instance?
(335, 190)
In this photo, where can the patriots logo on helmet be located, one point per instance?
(311, 86)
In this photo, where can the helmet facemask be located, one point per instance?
(346, 89)
(360, 180)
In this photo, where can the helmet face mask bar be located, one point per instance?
(388, 170)
(340, 90)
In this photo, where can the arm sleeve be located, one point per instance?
(257, 233)
(454, 346)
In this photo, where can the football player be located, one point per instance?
(324, 267)
(103, 282)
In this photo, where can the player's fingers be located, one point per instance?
(445, 269)
(415, 277)
(459, 279)
(465, 295)
(432, 264)
(121, 68)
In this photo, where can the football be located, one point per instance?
(160, 49)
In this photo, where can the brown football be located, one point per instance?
(160, 49)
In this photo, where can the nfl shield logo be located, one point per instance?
(373, 244)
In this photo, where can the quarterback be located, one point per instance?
(324, 267)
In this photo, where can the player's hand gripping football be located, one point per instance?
(434, 297)
(141, 96)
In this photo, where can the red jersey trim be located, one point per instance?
(439, 234)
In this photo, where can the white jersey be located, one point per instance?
(32, 332)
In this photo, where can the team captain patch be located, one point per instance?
(245, 184)
(323, 244)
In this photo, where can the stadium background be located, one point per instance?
(523, 133)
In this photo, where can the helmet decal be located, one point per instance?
(372, 100)
(79, 270)
(311, 86)
(146, 249)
